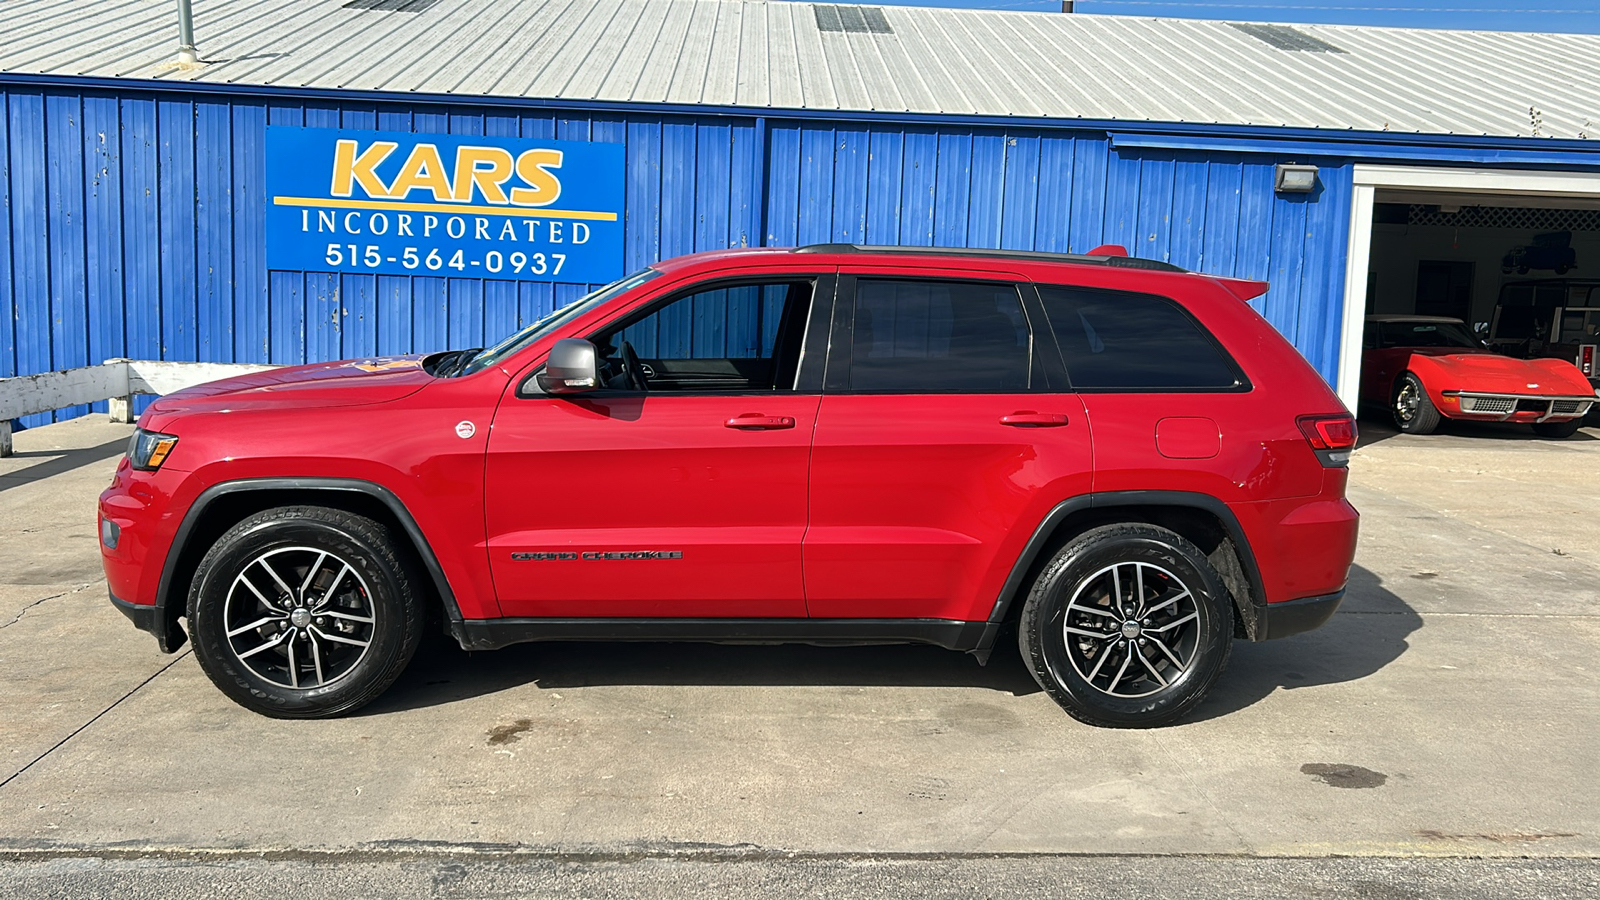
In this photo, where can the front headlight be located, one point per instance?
(147, 450)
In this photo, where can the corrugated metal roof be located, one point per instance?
(774, 54)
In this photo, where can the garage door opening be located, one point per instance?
(1515, 255)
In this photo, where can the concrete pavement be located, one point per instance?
(1449, 709)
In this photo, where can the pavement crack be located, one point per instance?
(1181, 766)
(24, 611)
(80, 729)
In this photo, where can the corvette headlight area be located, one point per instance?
(147, 450)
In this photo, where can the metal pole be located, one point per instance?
(1066, 6)
(186, 51)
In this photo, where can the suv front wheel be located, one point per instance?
(304, 612)
(1127, 626)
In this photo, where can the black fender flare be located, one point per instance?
(1252, 609)
(169, 637)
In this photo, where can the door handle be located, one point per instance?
(1029, 419)
(758, 422)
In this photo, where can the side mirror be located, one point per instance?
(1480, 327)
(571, 369)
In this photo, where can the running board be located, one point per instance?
(491, 634)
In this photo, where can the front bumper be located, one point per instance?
(1280, 620)
(152, 620)
(144, 618)
(135, 536)
(1517, 407)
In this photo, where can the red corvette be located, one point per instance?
(1426, 368)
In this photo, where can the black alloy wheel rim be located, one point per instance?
(299, 617)
(1132, 629)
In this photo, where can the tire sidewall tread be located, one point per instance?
(1557, 429)
(390, 577)
(1050, 594)
(1427, 418)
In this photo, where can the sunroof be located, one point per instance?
(851, 19)
(1286, 38)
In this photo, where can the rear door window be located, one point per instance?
(932, 336)
(1123, 341)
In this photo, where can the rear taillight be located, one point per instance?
(1332, 437)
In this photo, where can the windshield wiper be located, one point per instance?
(453, 366)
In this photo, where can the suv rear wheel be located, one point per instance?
(1127, 626)
(304, 612)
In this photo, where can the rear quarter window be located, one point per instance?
(1118, 340)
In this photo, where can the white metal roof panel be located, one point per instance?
(767, 53)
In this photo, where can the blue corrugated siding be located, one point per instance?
(133, 222)
(30, 233)
(103, 250)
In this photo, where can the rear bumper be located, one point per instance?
(1280, 620)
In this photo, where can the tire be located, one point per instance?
(1557, 429)
(1413, 412)
(1102, 673)
(333, 600)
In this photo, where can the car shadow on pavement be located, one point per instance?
(57, 461)
(1368, 632)
(1371, 428)
(444, 673)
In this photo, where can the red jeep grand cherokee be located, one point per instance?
(1118, 459)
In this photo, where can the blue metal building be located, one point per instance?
(135, 199)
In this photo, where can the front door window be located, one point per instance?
(729, 338)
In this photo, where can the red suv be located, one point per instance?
(1117, 459)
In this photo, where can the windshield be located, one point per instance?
(543, 326)
(1427, 334)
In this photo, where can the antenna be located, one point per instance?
(186, 51)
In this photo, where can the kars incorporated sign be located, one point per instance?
(461, 206)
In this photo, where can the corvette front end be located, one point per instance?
(1494, 407)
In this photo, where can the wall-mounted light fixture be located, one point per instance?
(1294, 179)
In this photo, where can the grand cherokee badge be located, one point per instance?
(599, 554)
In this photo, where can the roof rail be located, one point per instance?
(1093, 259)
